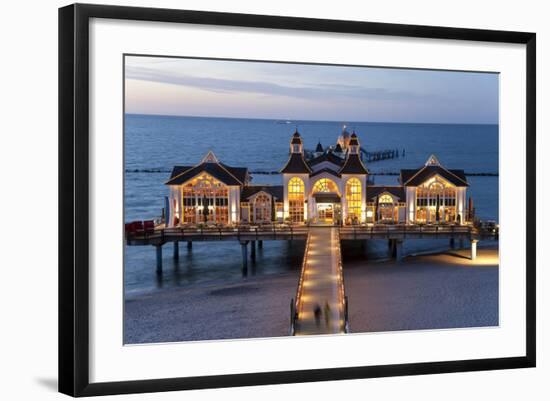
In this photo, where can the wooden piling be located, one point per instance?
(245, 257)
(176, 250)
(159, 259)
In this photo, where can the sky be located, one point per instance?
(243, 89)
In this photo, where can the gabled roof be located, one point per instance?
(326, 157)
(296, 165)
(177, 170)
(338, 148)
(240, 173)
(413, 178)
(353, 165)
(325, 170)
(226, 174)
(319, 147)
(276, 191)
(376, 190)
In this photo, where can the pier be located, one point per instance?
(396, 234)
(321, 287)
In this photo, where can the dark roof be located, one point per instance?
(353, 165)
(226, 174)
(296, 165)
(338, 148)
(178, 170)
(325, 170)
(417, 177)
(276, 191)
(319, 147)
(241, 173)
(353, 140)
(326, 157)
(375, 190)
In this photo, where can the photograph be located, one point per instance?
(279, 199)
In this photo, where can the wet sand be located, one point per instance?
(251, 308)
(437, 291)
(445, 290)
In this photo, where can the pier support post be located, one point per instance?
(189, 245)
(473, 248)
(159, 259)
(452, 243)
(260, 244)
(176, 250)
(461, 243)
(391, 248)
(398, 250)
(245, 257)
(253, 251)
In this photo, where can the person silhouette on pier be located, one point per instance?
(317, 313)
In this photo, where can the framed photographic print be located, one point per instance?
(250, 199)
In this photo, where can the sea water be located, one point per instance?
(154, 144)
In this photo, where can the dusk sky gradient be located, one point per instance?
(214, 88)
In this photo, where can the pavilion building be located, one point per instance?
(327, 186)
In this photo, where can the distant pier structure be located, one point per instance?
(342, 145)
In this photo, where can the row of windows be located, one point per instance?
(433, 202)
(195, 201)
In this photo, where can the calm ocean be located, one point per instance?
(157, 143)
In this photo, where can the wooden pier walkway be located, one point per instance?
(321, 285)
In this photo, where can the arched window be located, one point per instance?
(325, 185)
(436, 201)
(205, 199)
(262, 208)
(386, 210)
(296, 194)
(353, 198)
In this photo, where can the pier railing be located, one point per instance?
(266, 231)
(296, 305)
(160, 235)
(342, 289)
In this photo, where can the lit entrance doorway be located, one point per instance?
(325, 213)
(327, 209)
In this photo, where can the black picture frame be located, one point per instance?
(74, 198)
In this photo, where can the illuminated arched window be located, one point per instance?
(433, 193)
(262, 209)
(296, 194)
(325, 185)
(205, 199)
(353, 198)
(386, 209)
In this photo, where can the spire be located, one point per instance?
(210, 158)
(319, 147)
(432, 161)
(296, 145)
(353, 144)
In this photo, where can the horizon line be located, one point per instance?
(309, 120)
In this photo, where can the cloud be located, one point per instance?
(308, 92)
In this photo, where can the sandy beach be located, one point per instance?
(443, 290)
(250, 308)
